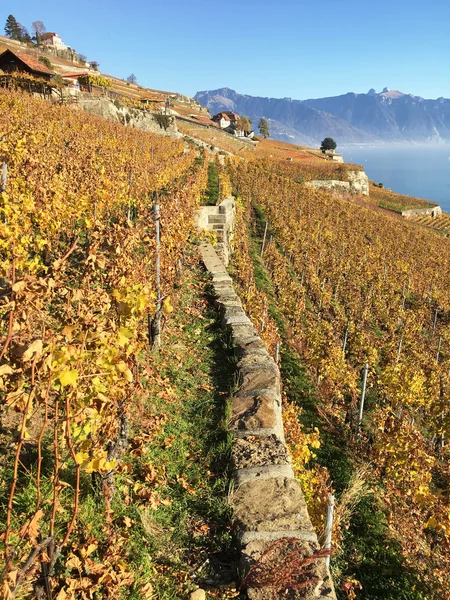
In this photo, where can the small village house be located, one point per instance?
(13, 62)
(226, 119)
(52, 39)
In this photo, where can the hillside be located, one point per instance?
(388, 116)
(118, 375)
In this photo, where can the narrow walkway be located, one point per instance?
(270, 515)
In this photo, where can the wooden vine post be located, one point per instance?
(4, 175)
(344, 345)
(264, 239)
(363, 395)
(155, 329)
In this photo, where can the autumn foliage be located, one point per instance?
(343, 272)
(77, 255)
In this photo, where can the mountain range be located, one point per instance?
(384, 117)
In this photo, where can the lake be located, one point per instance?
(422, 171)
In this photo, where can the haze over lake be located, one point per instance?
(422, 171)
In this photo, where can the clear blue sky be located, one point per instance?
(297, 48)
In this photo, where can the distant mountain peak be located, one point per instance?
(387, 116)
(388, 93)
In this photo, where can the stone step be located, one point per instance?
(217, 219)
(218, 227)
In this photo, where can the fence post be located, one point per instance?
(4, 176)
(435, 320)
(363, 395)
(329, 527)
(277, 351)
(399, 350)
(344, 345)
(439, 349)
(155, 325)
(264, 239)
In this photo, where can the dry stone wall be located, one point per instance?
(132, 117)
(433, 211)
(358, 183)
(267, 500)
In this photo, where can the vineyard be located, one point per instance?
(79, 296)
(309, 168)
(108, 489)
(346, 290)
(440, 223)
(397, 202)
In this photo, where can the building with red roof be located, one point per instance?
(52, 39)
(12, 61)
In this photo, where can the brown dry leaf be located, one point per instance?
(128, 522)
(62, 595)
(185, 485)
(81, 583)
(146, 591)
(6, 592)
(34, 350)
(74, 563)
(205, 388)
(85, 552)
(31, 528)
(95, 568)
(150, 474)
(18, 286)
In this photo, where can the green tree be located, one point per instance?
(328, 144)
(244, 124)
(263, 127)
(13, 29)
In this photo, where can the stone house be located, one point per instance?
(52, 39)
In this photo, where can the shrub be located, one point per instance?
(45, 61)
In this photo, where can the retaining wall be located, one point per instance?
(133, 117)
(358, 182)
(267, 500)
(433, 211)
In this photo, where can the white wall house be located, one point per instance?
(52, 39)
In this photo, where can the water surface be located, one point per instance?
(422, 171)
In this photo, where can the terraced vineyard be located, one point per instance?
(79, 295)
(352, 287)
(440, 223)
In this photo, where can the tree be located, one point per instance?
(13, 28)
(38, 28)
(24, 35)
(328, 144)
(132, 78)
(82, 58)
(244, 124)
(263, 127)
(95, 65)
